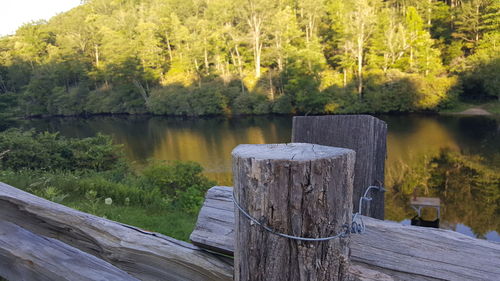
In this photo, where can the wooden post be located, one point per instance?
(364, 134)
(297, 189)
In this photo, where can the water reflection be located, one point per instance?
(454, 158)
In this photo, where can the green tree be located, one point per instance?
(470, 21)
(257, 14)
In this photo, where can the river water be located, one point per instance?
(455, 158)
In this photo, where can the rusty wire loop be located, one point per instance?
(357, 226)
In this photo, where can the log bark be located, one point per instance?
(386, 250)
(145, 255)
(297, 189)
(27, 256)
(362, 133)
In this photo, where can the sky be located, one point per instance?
(14, 13)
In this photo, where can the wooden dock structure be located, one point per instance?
(386, 248)
(296, 191)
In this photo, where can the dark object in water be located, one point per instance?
(418, 221)
(418, 203)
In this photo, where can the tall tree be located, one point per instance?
(257, 15)
(470, 21)
(359, 30)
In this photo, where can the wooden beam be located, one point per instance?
(297, 189)
(388, 248)
(364, 134)
(27, 256)
(145, 255)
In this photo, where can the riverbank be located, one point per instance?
(472, 108)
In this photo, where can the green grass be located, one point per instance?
(492, 106)
(168, 221)
(162, 197)
(87, 193)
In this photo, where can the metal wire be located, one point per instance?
(357, 225)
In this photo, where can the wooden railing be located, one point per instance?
(42, 240)
(385, 251)
(81, 239)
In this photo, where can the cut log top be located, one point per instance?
(289, 151)
(298, 190)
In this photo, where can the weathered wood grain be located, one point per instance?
(400, 252)
(364, 134)
(214, 228)
(297, 189)
(27, 256)
(146, 256)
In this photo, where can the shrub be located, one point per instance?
(248, 103)
(183, 182)
(401, 92)
(178, 100)
(50, 151)
(8, 104)
(283, 105)
(78, 166)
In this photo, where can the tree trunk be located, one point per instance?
(255, 23)
(344, 72)
(240, 68)
(271, 86)
(142, 91)
(3, 86)
(206, 60)
(429, 15)
(257, 57)
(411, 57)
(297, 189)
(96, 50)
(169, 49)
(360, 66)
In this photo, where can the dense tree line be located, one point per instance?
(202, 57)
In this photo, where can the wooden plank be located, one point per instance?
(300, 189)
(27, 256)
(145, 255)
(364, 134)
(425, 202)
(401, 252)
(215, 225)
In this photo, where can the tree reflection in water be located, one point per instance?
(469, 190)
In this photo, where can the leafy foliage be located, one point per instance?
(56, 168)
(182, 182)
(46, 151)
(455, 178)
(249, 57)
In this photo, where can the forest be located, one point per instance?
(214, 57)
